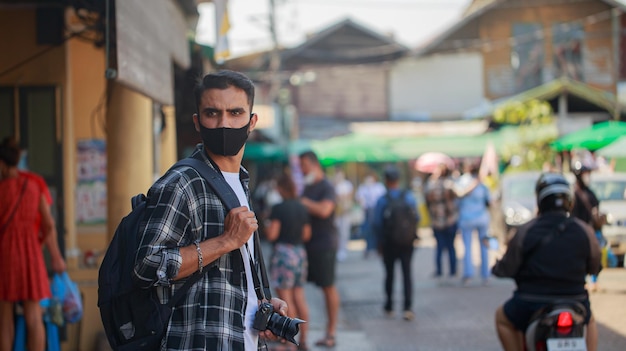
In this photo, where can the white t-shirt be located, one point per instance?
(251, 336)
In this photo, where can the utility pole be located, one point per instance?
(276, 95)
(274, 64)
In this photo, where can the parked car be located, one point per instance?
(610, 189)
(518, 204)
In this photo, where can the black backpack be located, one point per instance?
(133, 317)
(399, 221)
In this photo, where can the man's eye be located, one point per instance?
(237, 113)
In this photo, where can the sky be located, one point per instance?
(411, 22)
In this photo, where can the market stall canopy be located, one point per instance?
(267, 152)
(615, 149)
(354, 148)
(263, 151)
(367, 147)
(591, 138)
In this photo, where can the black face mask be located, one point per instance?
(224, 141)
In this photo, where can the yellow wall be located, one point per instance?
(87, 108)
(86, 112)
(18, 38)
(169, 154)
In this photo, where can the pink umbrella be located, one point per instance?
(427, 162)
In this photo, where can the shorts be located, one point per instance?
(288, 267)
(322, 267)
(520, 311)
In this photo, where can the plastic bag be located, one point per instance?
(66, 291)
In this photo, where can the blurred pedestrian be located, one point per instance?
(289, 228)
(320, 200)
(441, 202)
(367, 194)
(343, 212)
(395, 224)
(474, 202)
(587, 207)
(26, 223)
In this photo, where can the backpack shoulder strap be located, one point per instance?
(215, 180)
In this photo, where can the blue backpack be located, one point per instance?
(133, 317)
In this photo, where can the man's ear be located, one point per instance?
(196, 122)
(253, 119)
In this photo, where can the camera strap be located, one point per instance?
(257, 266)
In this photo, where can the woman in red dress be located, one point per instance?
(26, 224)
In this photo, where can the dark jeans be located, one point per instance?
(390, 255)
(445, 241)
(367, 230)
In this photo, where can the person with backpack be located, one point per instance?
(186, 229)
(395, 223)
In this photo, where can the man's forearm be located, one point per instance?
(210, 250)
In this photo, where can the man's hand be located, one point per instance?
(239, 225)
(280, 307)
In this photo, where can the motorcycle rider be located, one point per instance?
(549, 258)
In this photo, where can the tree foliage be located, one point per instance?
(530, 153)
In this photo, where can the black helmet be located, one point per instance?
(553, 193)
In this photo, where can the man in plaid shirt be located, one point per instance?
(187, 229)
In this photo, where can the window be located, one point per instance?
(527, 55)
(567, 42)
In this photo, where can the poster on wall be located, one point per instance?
(91, 192)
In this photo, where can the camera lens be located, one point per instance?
(284, 327)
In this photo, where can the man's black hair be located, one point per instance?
(310, 155)
(223, 80)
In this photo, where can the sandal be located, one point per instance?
(328, 341)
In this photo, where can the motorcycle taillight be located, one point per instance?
(564, 323)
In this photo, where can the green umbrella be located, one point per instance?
(615, 149)
(591, 138)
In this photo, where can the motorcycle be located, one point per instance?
(559, 326)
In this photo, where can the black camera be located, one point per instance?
(285, 327)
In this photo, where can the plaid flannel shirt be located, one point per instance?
(181, 210)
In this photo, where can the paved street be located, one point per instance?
(451, 317)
